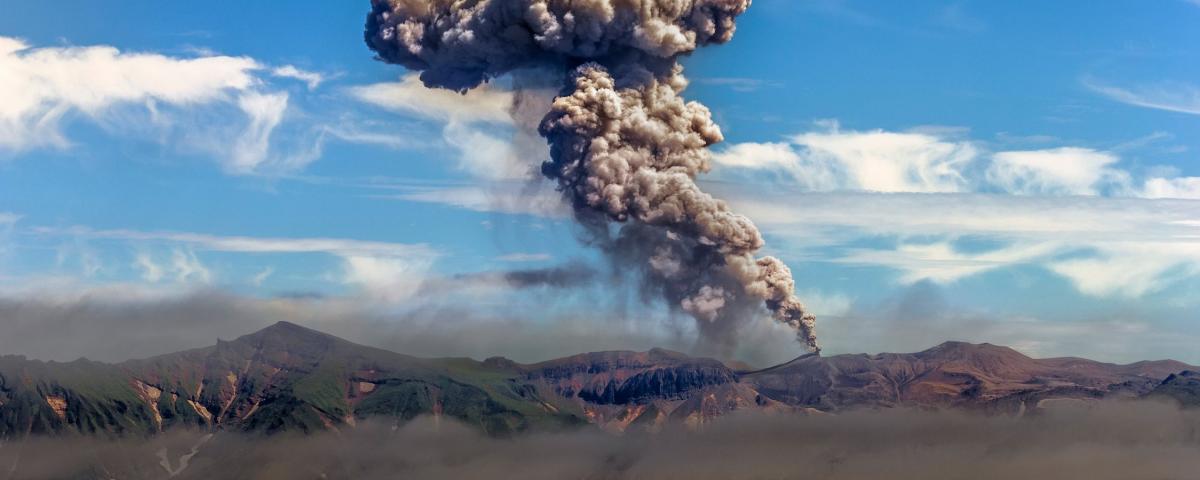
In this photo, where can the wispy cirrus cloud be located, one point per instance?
(493, 131)
(244, 244)
(1170, 96)
(522, 257)
(500, 197)
(181, 266)
(1104, 246)
(43, 90)
(39, 87)
(737, 84)
(383, 270)
(409, 96)
(880, 161)
(478, 124)
(1056, 171)
(941, 262)
(311, 79)
(1131, 268)
(378, 273)
(942, 160)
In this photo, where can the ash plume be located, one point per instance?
(625, 147)
(568, 275)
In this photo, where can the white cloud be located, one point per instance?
(195, 104)
(1062, 234)
(737, 84)
(932, 160)
(39, 87)
(183, 266)
(770, 156)
(520, 199)
(409, 96)
(242, 244)
(78, 253)
(814, 216)
(1172, 97)
(311, 79)
(805, 171)
(876, 160)
(1058, 171)
(151, 271)
(188, 268)
(940, 262)
(1102, 245)
(891, 162)
(487, 156)
(384, 270)
(1131, 269)
(265, 111)
(391, 279)
(260, 277)
(524, 257)
(356, 134)
(470, 122)
(1181, 187)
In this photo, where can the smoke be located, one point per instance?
(574, 274)
(1108, 441)
(120, 324)
(625, 148)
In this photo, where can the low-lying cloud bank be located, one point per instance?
(119, 324)
(1105, 441)
(562, 311)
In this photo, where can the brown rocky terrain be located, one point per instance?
(950, 375)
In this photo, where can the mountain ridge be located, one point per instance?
(287, 377)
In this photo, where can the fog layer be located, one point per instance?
(1107, 441)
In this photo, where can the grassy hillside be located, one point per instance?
(283, 378)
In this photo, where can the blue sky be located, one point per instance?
(1023, 173)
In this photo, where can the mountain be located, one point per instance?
(290, 378)
(1183, 387)
(283, 378)
(954, 374)
(646, 390)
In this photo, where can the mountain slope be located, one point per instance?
(644, 390)
(51, 397)
(290, 378)
(1183, 388)
(283, 378)
(953, 374)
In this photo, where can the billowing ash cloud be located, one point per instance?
(460, 44)
(625, 147)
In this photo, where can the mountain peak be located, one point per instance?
(284, 325)
(289, 328)
(966, 349)
(1186, 375)
(288, 334)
